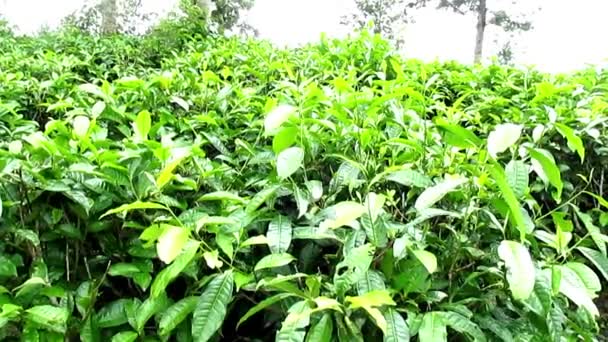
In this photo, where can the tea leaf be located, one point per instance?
(274, 260)
(171, 242)
(279, 234)
(175, 314)
(502, 137)
(210, 310)
(434, 194)
(520, 268)
(433, 328)
(289, 161)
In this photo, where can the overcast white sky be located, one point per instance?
(567, 34)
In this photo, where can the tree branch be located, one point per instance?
(447, 3)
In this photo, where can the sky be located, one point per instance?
(567, 34)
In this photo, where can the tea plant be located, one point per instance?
(229, 190)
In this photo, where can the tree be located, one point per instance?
(109, 14)
(224, 15)
(110, 17)
(386, 16)
(507, 22)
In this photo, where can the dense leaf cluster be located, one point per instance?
(212, 188)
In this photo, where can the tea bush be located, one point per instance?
(213, 188)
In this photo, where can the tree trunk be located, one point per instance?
(482, 10)
(109, 13)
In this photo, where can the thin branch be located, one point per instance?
(451, 5)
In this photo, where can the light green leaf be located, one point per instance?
(428, 259)
(371, 299)
(93, 89)
(316, 189)
(176, 314)
(255, 240)
(284, 139)
(397, 329)
(410, 178)
(98, 108)
(594, 231)
(376, 232)
(598, 260)
(166, 276)
(274, 260)
(279, 234)
(433, 328)
(293, 327)
(181, 102)
(538, 132)
(215, 221)
(302, 200)
(171, 242)
(434, 194)
(15, 147)
(549, 169)
(575, 143)
(373, 205)
(586, 274)
(166, 173)
(221, 196)
(574, 288)
(517, 177)
(25, 234)
(134, 206)
(322, 330)
(326, 303)
(277, 117)
(378, 318)
(30, 286)
(370, 282)
(498, 174)
(353, 267)
(152, 233)
(50, 317)
(210, 310)
(263, 305)
(289, 161)
(342, 214)
(81, 126)
(143, 280)
(212, 259)
(125, 336)
(502, 137)
(142, 126)
(241, 279)
(463, 325)
(7, 267)
(226, 242)
(458, 136)
(520, 268)
(123, 269)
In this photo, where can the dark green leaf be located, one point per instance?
(210, 310)
(175, 314)
(279, 234)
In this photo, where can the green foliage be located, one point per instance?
(128, 16)
(223, 189)
(387, 17)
